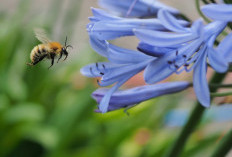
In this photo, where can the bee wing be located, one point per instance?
(41, 35)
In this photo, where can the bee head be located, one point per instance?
(64, 49)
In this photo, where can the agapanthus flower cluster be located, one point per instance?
(167, 45)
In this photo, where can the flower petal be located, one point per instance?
(200, 83)
(140, 9)
(221, 12)
(95, 69)
(100, 14)
(153, 50)
(163, 39)
(120, 55)
(214, 28)
(130, 97)
(157, 70)
(124, 70)
(170, 22)
(217, 60)
(104, 104)
(110, 30)
(225, 47)
(100, 46)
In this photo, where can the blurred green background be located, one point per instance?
(49, 113)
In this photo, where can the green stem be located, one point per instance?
(224, 146)
(204, 1)
(192, 122)
(197, 3)
(213, 1)
(220, 85)
(220, 94)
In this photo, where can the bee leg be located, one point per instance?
(30, 64)
(52, 58)
(66, 55)
(60, 57)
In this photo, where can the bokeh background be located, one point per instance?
(50, 113)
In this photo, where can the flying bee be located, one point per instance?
(48, 49)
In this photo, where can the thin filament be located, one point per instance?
(131, 7)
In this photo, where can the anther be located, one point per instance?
(176, 66)
(169, 62)
(103, 66)
(98, 82)
(101, 73)
(186, 65)
(176, 52)
(184, 56)
(97, 65)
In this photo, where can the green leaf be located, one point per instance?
(27, 112)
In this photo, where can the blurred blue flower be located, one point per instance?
(135, 8)
(225, 47)
(107, 27)
(221, 12)
(130, 97)
(192, 46)
(179, 117)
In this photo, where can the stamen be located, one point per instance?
(172, 67)
(184, 56)
(103, 66)
(190, 67)
(176, 52)
(101, 73)
(180, 71)
(98, 82)
(131, 7)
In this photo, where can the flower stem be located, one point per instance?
(224, 146)
(131, 8)
(221, 85)
(220, 94)
(213, 1)
(197, 3)
(204, 1)
(192, 122)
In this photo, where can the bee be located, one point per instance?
(48, 49)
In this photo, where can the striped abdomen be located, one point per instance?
(38, 53)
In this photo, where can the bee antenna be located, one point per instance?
(69, 46)
(66, 41)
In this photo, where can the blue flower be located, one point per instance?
(123, 65)
(220, 12)
(107, 27)
(135, 8)
(131, 97)
(192, 46)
